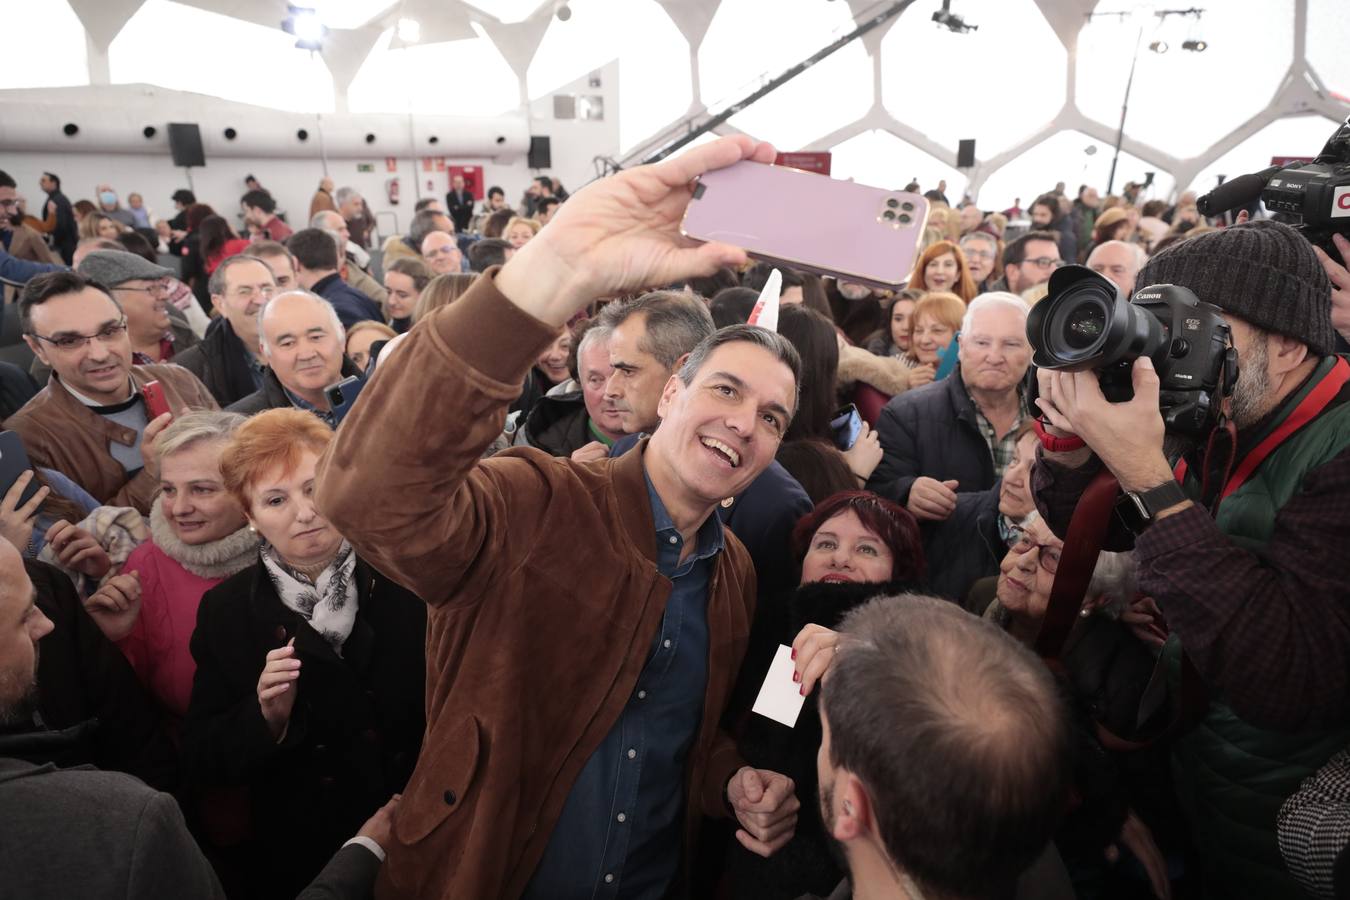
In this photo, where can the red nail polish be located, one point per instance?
(796, 676)
(803, 691)
(794, 654)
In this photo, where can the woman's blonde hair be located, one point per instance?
(197, 427)
(441, 291)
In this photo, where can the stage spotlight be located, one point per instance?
(305, 24)
(1158, 46)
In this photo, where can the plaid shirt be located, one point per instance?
(1001, 448)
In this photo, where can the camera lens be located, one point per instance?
(907, 206)
(905, 219)
(892, 203)
(1084, 326)
(888, 215)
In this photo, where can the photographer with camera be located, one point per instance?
(1247, 555)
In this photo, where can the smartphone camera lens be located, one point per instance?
(888, 215)
(905, 219)
(892, 203)
(908, 207)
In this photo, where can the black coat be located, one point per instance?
(558, 425)
(273, 396)
(351, 305)
(459, 206)
(931, 431)
(965, 547)
(352, 740)
(221, 363)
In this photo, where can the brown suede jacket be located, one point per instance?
(545, 599)
(59, 432)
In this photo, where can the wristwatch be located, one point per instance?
(1139, 509)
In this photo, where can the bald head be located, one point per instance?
(276, 319)
(1119, 262)
(441, 251)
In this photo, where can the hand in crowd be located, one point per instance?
(149, 455)
(1146, 621)
(1340, 284)
(921, 375)
(766, 806)
(79, 550)
(592, 452)
(1137, 838)
(931, 500)
(380, 826)
(813, 651)
(116, 605)
(276, 694)
(1128, 437)
(180, 295)
(623, 234)
(16, 522)
(865, 454)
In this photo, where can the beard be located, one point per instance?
(832, 844)
(1252, 387)
(20, 713)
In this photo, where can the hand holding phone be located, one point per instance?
(847, 426)
(156, 404)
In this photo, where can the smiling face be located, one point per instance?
(146, 304)
(720, 431)
(402, 291)
(844, 549)
(101, 368)
(303, 346)
(553, 361)
(1024, 583)
(901, 313)
(281, 508)
(518, 235)
(995, 353)
(941, 272)
(248, 287)
(193, 496)
(929, 339)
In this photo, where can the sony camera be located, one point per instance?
(1313, 196)
(1086, 323)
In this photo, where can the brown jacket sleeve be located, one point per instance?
(402, 481)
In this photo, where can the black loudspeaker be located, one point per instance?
(185, 143)
(965, 154)
(541, 153)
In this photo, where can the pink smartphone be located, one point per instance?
(806, 221)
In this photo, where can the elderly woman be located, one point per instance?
(853, 546)
(198, 539)
(310, 670)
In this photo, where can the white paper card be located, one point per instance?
(780, 698)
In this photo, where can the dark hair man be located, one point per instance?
(229, 359)
(316, 258)
(546, 207)
(260, 210)
(58, 217)
(278, 259)
(1250, 572)
(90, 421)
(459, 203)
(428, 203)
(489, 252)
(605, 791)
(1047, 214)
(11, 267)
(1029, 260)
(946, 756)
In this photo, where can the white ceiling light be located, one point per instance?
(409, 31)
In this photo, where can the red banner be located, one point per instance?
(807, 162)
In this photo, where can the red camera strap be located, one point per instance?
(1087, 531)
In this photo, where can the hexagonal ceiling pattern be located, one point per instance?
(1038, 84)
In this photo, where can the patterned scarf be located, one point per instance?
(328, 605)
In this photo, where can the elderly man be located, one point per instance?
(157, 330)
(302, 344)
(1119, 262)
(981, 251)
(959, 434)
(1248, 567)
(91, 421)
(441, 252)
(602, 793)
(353, 260)
(229, 360)
(584, 423)
(1028, 260)
(317, 260)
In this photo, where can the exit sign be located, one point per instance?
(365, 167)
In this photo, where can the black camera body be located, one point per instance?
(1086, 324)
(1314, 196)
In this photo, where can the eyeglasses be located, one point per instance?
(9, 204)
(159, 287)
(441, 251)
(1045, 262)
(246, 292)
(978, 254)
(70, 342)
(1024, 543)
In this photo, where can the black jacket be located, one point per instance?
(931, 431)
(558, 425)
(459, 206)
(352, 740)
(273, 396)
(66, 235)
(93, 709)
(352, 306)
(965, 547)
(221, 363)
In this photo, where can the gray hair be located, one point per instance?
(338, 328)
(1115, 580)
(981, 236)
(772, 341)
(594, 335)
(216, 286)
(320, 217)
(1137, 255)
(344, 194)
(196, 427)
(675, 323)
(992, 299)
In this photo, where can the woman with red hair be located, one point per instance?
(943, 267)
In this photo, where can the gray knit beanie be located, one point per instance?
(1263, 272)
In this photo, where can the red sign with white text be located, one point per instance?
(807, 162)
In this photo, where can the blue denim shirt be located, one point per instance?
(621, 830)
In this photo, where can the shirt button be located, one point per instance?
(642, 695)
(632, 754)
(621, 817)
(674, 539)
(666, 643)
(609, 878)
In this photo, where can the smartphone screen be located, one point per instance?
(847, 427)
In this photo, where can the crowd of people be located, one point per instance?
(457, 569)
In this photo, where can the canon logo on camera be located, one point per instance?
(1148, 296)
(1340, 207)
